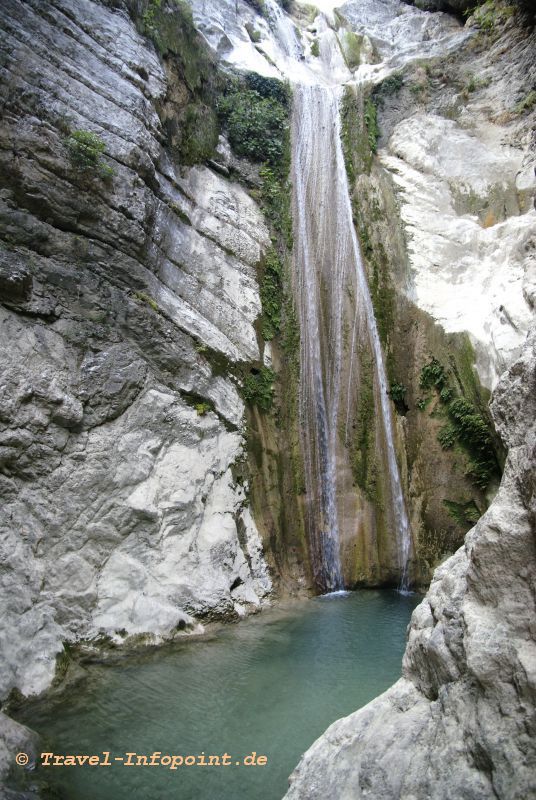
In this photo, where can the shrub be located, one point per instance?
(433, 375)
(85, 150)
(446, 394)
(447, 436)
(315, 48)
(397, 392)
(258, 5)
(268, 87)
(199, 134)
(256, 125)
(527, 103)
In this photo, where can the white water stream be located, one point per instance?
(327, 259)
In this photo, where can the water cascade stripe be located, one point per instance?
(327, 260)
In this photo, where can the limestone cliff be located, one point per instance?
(127, 288)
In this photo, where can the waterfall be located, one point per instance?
(327, 267)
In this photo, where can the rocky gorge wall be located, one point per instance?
(125, 293)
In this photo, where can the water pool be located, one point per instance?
(271, 684)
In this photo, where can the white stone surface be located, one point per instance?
(468, 277)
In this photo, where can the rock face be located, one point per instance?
(460, 722)
(463, 167)
(126, 300)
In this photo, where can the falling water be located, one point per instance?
(327, 262)
(284, 30)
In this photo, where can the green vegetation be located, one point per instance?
(253, 33)
(315, 48)
(351, 45)
(467, 426)
(446, 394)
(85, 151)
(191, 123)
(433, 375)
(371, 122)
(271, 291)
(491, 15)
(390, 85)
(473, 83)
(258, 5)
(199, 134)
(363, 456)
(275, 196)
(203, 408)
(258, 388)
(169, 24)
(256, 124)
(397, 393)
(474, 435)
(447, 436)
(145, 298)
(465, 514)
(527, 103)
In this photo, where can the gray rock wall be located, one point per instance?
(124, 299)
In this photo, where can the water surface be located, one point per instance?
(271, 684)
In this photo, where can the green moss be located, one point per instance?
(170, 25)
(465, 513)
(527, 103)
(145, 298)
(315, 48)
(359, 132)
(276, 201)
(371, 121)
(199, 134)
(271, 292)
(291, 334)
(363, 445)
(351, 46)
(258, 388)
(253, 33)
